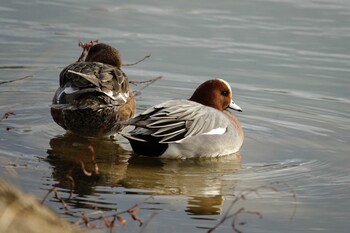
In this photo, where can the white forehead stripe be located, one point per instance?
(228, 85)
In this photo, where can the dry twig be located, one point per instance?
(58, 197)
(86, 48)
(132, 211)
(92, 158)
(147, 82)
(86, 220)
(14, 80)
(147, 221)
(243, 196)
(72, 185)
(135, 63)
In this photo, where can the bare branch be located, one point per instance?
(14, 80)
(243, 196)
(62, 201)
(86, 220)
(86, 48)
(47, 194)
(132, 211)
(242, 211)
(121, 220)
(132, 64)
(148, 82)
(147, 222)
(72, 185)
(86, 172)
(58, 197)
(92, 157)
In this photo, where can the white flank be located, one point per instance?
(216, 131)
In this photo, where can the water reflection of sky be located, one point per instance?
(288, 65)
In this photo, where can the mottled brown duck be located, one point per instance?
(94, 95)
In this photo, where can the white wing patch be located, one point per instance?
(66, 90)
(216, 131)
(70, 90)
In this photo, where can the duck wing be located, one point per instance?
(82, 78)
(176, 120)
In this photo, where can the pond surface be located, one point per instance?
(287, 61)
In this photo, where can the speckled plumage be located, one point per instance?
(94, 95)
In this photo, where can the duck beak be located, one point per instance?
(235, 106)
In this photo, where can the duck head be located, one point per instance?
(215, 93)
(104, 53)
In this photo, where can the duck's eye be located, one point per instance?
(224, 92)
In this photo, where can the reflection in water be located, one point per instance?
(288, 61)
(205, 182)
(202, 180)
(202, 205)
(70, 156)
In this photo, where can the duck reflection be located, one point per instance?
(90, 162)
(204, 181)
(205, 205)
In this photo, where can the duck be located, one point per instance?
(94, 94)
(198, 127)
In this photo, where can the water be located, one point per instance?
(288, 63)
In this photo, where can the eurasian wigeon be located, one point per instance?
(199, 127)
(94, 95)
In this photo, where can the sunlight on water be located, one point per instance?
(287, 62)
